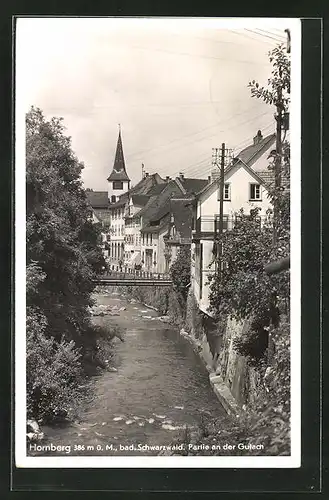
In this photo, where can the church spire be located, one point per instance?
(119, 172)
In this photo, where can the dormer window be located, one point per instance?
(255, 193)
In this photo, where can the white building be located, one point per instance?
(118, 186)
(246, 184)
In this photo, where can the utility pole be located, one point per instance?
(221, 205)
(224, 156)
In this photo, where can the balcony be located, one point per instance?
(207, 227)
(177, 240)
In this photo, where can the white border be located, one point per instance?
(293, 461)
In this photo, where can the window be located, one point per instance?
(254, 192)
(151, 238)
(113, 198)
(117, 185)
(227, 191)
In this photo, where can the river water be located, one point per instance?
(160, 386)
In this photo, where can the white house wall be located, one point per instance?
(239, 180)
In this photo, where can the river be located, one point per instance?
(160, 386)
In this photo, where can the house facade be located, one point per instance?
(100, 214)
(166, 223)
(245, 187)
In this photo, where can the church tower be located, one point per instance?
(118, 180)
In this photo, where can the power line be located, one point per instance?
(251, 38)
(260, 34)
(229, 128)
(190, 171)
(227, 59)
(189, 135)
(209, 39)
(277, 37)
(246, 141)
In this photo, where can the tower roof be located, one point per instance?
(119, 168)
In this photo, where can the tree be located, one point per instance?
(180, 272)
(240, 288)
(277, 93)
(61, 239)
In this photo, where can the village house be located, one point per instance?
(246, 184)
(100, 214)
(138, 197)
(162, 227)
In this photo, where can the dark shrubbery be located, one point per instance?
(267, 420)
(62, 260)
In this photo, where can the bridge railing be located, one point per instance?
(122, 275)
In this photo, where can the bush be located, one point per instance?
(267, 420)
(54, 373)
(180, 272)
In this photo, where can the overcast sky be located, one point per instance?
(178, 87)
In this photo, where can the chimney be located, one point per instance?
(258, 137)
(209, 179)
(146, 175)
(167, 178)
(181, 175)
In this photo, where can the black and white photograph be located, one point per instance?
(157, 233)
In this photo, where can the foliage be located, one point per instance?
(53, 371)
(266, 422)
(62, 260)
(278, 89)
(180, 272)
(240, 287)
(61, 239)
(277, 93)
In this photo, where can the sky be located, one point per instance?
(177, 87)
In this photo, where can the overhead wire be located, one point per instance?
(260, 34)
(250, 38)
(227, 59)
(269, 33)
(226, 128)
(142, 152)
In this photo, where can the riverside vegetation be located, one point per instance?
(240, 290)
(63, 257)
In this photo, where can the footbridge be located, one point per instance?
(137, 278)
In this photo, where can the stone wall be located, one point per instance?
(235, 382)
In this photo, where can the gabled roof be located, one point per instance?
(247, 154)
(147, 184)
(192, 185)
(268, 176)
(246, 158)
(140, 200)
(97, 199)
(119, 167)
(182, 217)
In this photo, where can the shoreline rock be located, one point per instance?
(33, 431)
